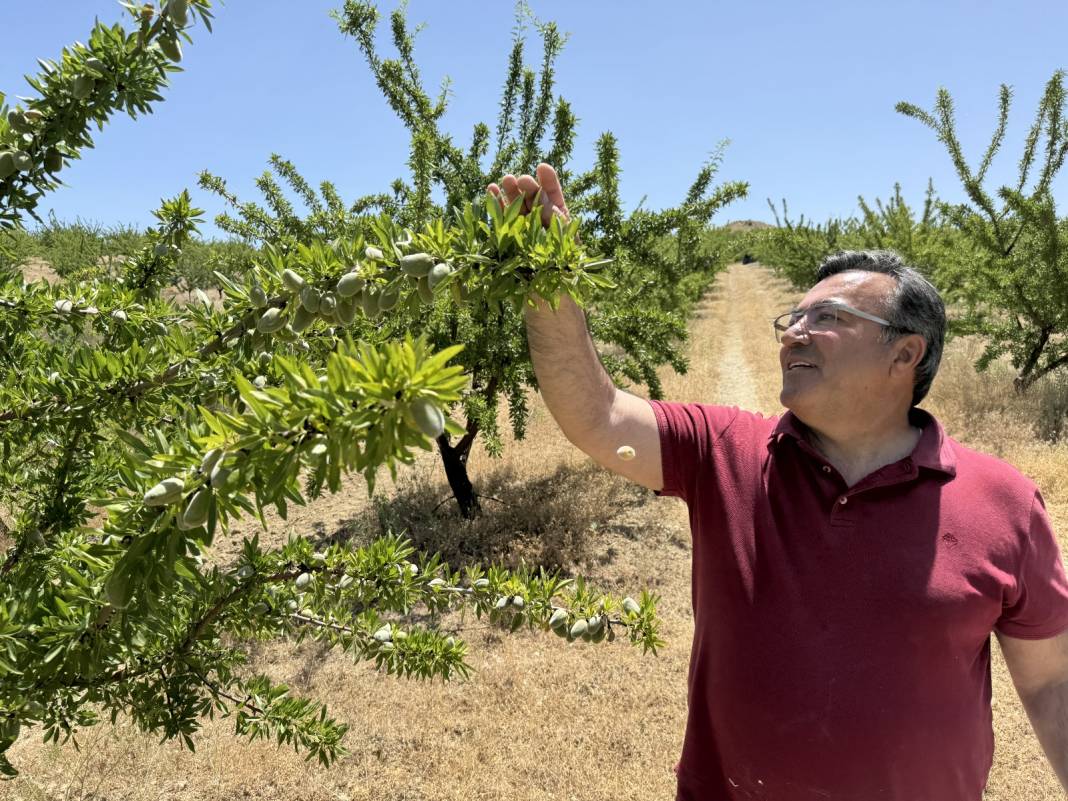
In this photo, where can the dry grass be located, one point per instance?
(541, 719)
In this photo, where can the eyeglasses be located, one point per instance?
(819, 317)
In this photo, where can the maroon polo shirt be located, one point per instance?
(841, 648)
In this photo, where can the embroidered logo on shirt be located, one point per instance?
(949, 539)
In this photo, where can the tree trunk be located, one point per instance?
(454, 458)
(1028, 374)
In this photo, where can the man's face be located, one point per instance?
(851, 367)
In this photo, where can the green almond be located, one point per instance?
(257, 297)
(387, 300)
(178, 11)
(302, 318)
(7, 164)
(196, 510)
(428, 417)
(165, 492)
(171, 47)
(271, 321)
(349, 284)
(346, 311)
(310, 298)
(417, 264)
(292, 280)
(53, 161)
(438, 274)
(425, 293)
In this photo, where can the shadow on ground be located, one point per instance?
(544, 521)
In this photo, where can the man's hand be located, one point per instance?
(545, 189)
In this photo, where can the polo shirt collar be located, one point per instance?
(932, 451)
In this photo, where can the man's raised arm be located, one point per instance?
(594, 415)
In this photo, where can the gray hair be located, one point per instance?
(914, 306)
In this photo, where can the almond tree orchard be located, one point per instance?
(135, 431)
(1000, 254)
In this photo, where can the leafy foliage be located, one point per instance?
(1013, 283)
(115, 71)
(175, 421)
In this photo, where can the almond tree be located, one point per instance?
(1013, 277)
(175, 421)
(659, 261)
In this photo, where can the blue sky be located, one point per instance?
(804, 91)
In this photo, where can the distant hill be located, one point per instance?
(747, 225)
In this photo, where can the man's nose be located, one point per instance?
(795, 333)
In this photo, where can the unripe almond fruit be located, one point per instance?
(303, 580)
(428, 417)
(211, 458)
(309, 298)
(384, 634)
(219, 475)
(417, 264)
(369, 303)
(171, 47)
(178, 11)
(119, 590)
(328, 303)
(292, 281)
(7, 164)
(346, 311)
(302, 318)
(425, 293)
(165, 492)
(53, 161)
(271, 321)
(631, 606)
(257, 297)
(625, 452)
(349, 284)
(438, 274)
(373, 253)
(196, 510)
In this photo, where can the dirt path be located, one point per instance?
(539, 719)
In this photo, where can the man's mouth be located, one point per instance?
(800, 365)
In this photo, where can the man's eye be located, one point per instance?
(825, 316)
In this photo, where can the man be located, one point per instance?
(850, 559)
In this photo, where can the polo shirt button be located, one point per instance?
(826, 468)
(843, 500)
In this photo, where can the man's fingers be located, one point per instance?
(529, 187)
(495, 191)
(550, 184)
(510, 187)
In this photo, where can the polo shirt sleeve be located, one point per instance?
(688, 433)
(1039, 607)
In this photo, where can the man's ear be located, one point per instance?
(909, 351)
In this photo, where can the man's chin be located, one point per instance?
(796, 402)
